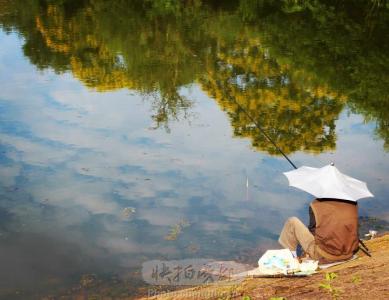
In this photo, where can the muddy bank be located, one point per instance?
(363, 278)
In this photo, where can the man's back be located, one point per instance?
(336, 227)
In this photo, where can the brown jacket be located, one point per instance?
(336, 228)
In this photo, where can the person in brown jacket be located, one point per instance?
(332, 234)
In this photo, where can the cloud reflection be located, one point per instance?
(73, 159)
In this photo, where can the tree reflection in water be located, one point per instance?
(292, 65)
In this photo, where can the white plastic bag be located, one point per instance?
(278, 262)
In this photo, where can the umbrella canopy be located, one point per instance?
(328, 182)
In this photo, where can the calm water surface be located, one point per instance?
(119, 121)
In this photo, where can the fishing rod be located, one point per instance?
(362, 244)
(264, 133)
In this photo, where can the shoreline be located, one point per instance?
(362, 278)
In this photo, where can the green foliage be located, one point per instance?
(356, 279)
(328, 287)
(299, 61)
(342, 46)
(248, 86)
(331, 276)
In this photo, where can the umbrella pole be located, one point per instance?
(363, 248)
(363, 244)
(364, 251)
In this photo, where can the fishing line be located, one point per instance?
(362, 246)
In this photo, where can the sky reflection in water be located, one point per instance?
(72, 159)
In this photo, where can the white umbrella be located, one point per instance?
(328, 182)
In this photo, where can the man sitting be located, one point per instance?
(332, 234)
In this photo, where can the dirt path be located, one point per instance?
(363, 278)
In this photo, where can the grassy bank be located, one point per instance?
(363, 278)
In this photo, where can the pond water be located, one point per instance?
(123, 138)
